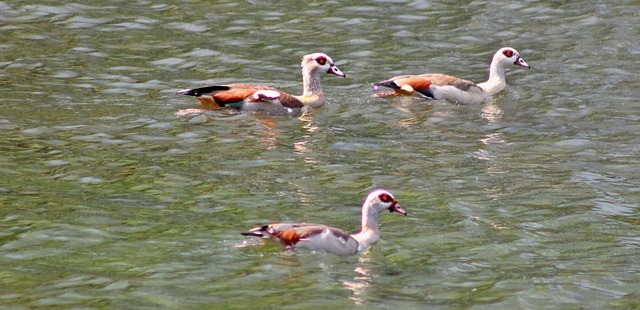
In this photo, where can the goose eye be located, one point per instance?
(321, 60)
(385, 198)
(508, 53)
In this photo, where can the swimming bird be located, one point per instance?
(456, 90)
(253, 97)
(318, 237)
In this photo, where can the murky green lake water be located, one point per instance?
(108, 200)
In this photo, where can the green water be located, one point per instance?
(108, 200)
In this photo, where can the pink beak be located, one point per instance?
(333, 69)
(520, 62)
(395, 207)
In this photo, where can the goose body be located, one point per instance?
(254, 97)
(456, 90)
(318, 237)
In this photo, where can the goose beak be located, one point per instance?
(333, 69)
(520, 62)
(395, 207)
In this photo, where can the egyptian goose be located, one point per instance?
(317, 237)
(440, 86)
(267, 99)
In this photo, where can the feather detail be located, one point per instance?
(244, 96)
(441, 86)
(317, 237)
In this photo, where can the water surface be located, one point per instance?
(108, 200)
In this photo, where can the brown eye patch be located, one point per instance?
(508, 53)
(321, 60)
(385, 198)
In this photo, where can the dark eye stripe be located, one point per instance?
(385, 198)
(508, 53)
(321, 60)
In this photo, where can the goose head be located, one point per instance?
(320, 62)
(381, 200)
(507, 55)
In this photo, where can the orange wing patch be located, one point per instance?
(232, 95)
(416, 83)
(439, 79)
(208, 101)
(292, 235)
(289, 237)
(447, 80)
(250, 86)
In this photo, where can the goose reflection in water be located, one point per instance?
(361, 282)
(492, 113)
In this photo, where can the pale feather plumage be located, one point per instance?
(441, 86)
(267, 99)
(318, 237)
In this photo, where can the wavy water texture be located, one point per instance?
(108, 200)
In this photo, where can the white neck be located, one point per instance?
(312, 95)
(311, 82)
(496, 82)
(369, 233)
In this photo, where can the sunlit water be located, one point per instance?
(108, 200)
